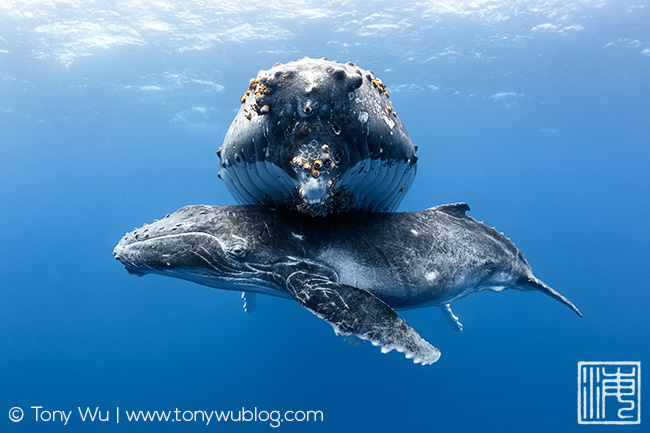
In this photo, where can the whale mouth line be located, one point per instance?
(120, 252)
(252, 266)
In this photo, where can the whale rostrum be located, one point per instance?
(352, 270)
(319, 137)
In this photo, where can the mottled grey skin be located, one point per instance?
(352, 270)
(319, 137)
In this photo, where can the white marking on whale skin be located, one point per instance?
(313, 190)
(363, 117)
(313, 78)
(430, 276)
(349, 272)
(389, 122)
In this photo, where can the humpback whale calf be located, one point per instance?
(353, 270)
(320, 137)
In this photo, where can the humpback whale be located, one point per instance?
(319, 137)
(352, 270)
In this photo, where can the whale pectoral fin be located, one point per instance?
(453, 320)
(250, 301)
(355, 311)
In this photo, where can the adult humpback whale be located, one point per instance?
(320, 137)
(352, 271)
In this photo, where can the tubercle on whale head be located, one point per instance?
(312, 86)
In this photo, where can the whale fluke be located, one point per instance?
(537, 284)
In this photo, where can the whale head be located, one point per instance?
(319, 137)
(215, 247)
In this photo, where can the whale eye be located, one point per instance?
(237, 252)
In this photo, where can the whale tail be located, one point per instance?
(533, 283)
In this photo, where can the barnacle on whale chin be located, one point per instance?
(320, 137)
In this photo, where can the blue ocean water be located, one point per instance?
(535, 113)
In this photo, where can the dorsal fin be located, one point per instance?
(456, 209)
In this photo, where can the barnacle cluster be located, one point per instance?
(382, 89)
(380, 86)
(314, 161)
(258, 89)
(245, 95)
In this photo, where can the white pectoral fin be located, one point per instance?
(354, 311)
(453, 320)
(250, 301)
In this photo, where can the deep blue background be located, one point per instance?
(537, 114)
